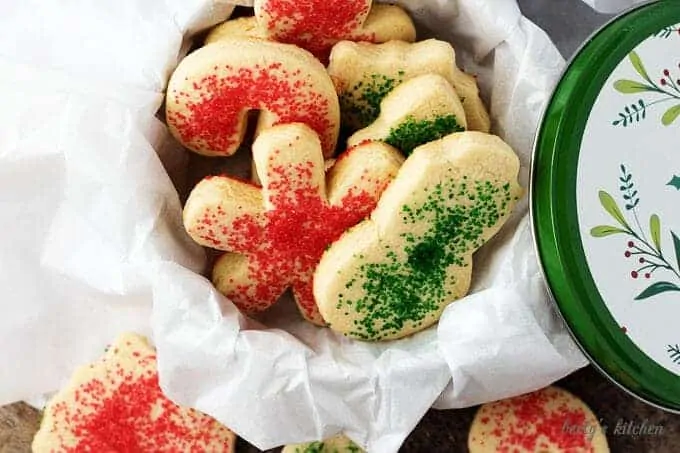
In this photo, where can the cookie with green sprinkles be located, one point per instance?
(421, 110)
(365, 73)
(394, 273)
(337, 444)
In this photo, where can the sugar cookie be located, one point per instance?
(336, 444)
(116, 404)
(386, 23)
(394, 273)
(278, 233)
(551, 420)
(365, 73)
(420, 110)
(242, 26)
(316, 25)
(212, 89)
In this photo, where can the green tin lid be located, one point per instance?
(606, 200)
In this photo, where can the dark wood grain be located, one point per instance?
(18, 424)
(446, 431)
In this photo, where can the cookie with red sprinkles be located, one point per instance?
(316, 25)
(213, 89)
(550, 420)
(276, 234)
(365, 73)
(116, 405)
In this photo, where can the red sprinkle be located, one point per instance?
(128, 413)
(286, 247)
(539, 418)
(216, 119)
(316, 25)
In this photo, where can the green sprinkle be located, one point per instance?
(321, 447)
(405, 290)
(412, 133)
(362, 101)
(314, 447)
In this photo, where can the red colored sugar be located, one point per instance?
(298, 227)
(217, 116)
(316, 25)
(128, 413)
(535, 423)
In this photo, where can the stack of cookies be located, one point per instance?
(374, 233)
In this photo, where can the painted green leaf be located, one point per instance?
(612, 208)
(655, 231)
(675, 182)
(637, 64)
(605, 230)
(676, 245)
(629, 86)
(657, 288)
(674, 352)
(671, 115)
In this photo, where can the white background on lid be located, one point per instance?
(649, 150)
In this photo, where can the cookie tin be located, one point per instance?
(605, 190)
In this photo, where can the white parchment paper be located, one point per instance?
(295, 382)
(93, 243)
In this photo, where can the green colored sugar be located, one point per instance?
(320, 447)
(404, 289)
(314, 447)
(362, 101)
(412, 133)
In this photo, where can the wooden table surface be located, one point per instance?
(446, 431)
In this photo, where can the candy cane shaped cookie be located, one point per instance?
(212, 90)
(276, 234)
(365, 73)
(316, 25)
(421, 110)
(116, 405)
(394, 273)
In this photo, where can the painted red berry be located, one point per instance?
(666, 72)
(631, 243)
(647, 275)
(663, 82)
(624, 329)
(627, 254)
(634, 274)
(641, 260)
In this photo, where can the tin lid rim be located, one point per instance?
(648, 395)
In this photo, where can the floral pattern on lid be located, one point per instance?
(627, 196)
